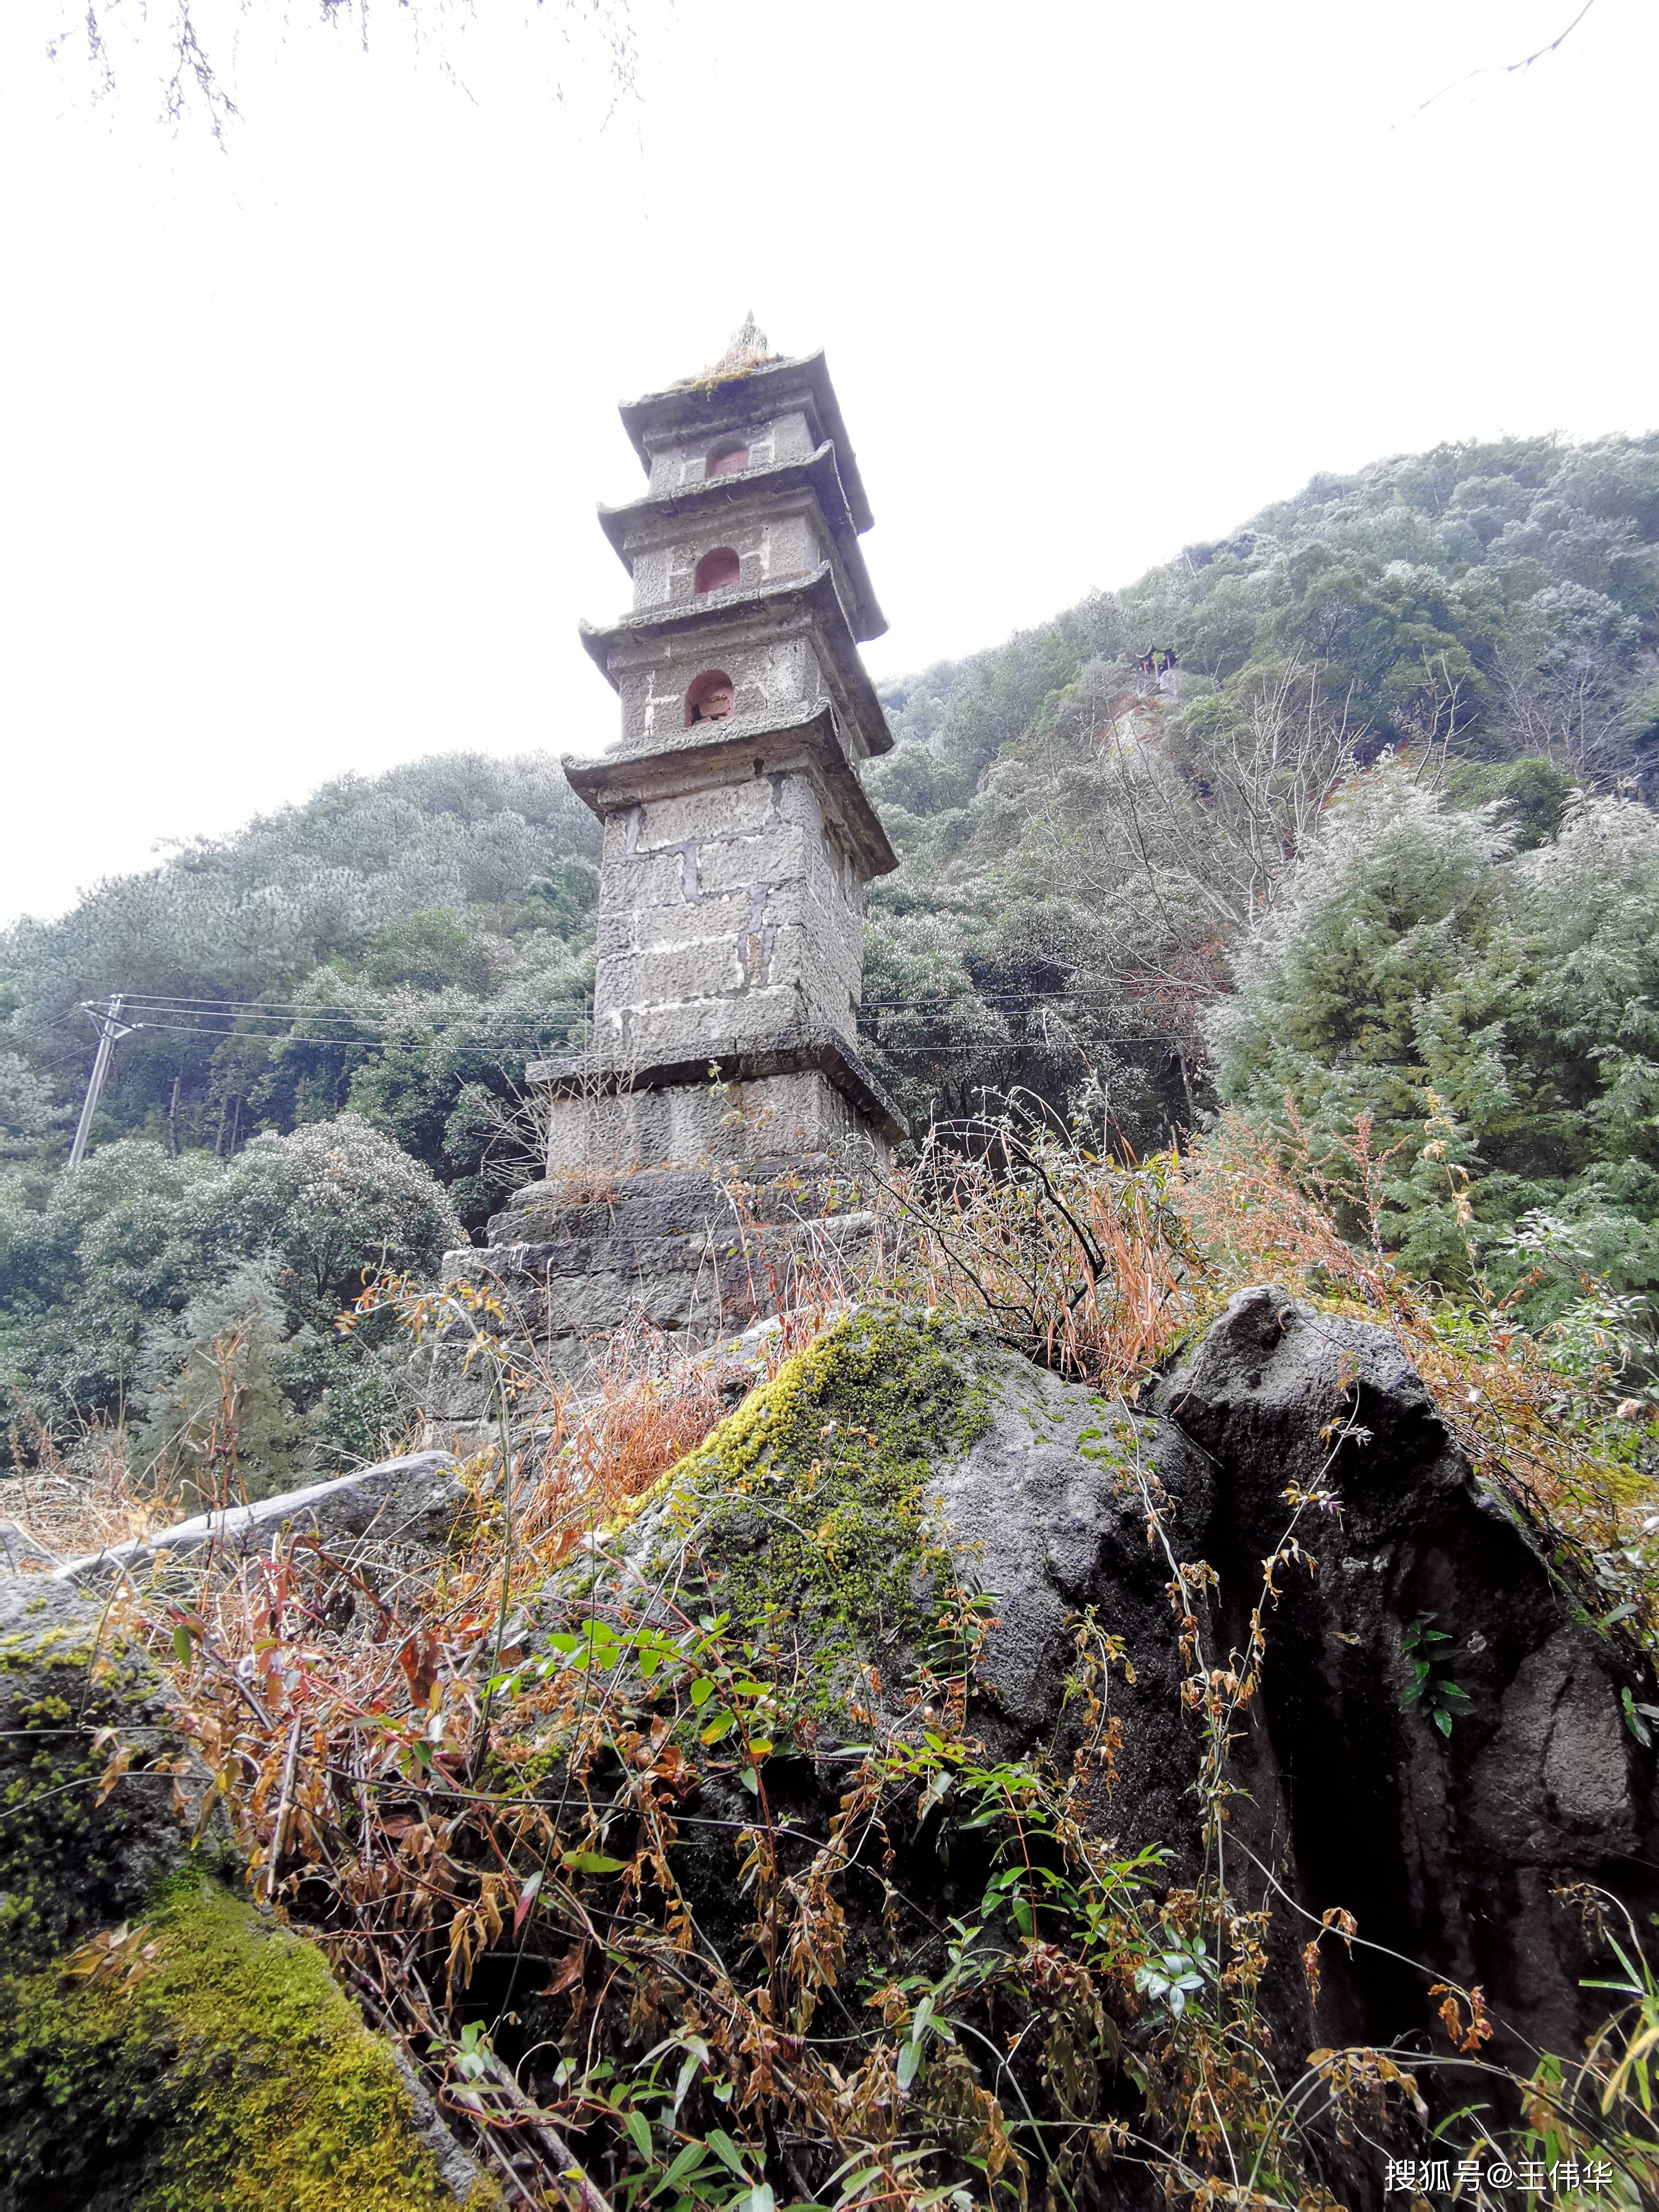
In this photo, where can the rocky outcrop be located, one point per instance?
(1445, 1846)
(74, 1857)
(396, 1511)
(162, 2041)
(204, 2056)
(903, 1457)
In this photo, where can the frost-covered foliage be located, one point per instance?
(1092, 861)
(446, 908)
(1081, 844)
(238, 1183)
(317, 882)
(1418, 952)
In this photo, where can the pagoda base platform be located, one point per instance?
(695, 1253)
(734, 1102)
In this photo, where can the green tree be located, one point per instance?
(112, 1295)
(1420, 957)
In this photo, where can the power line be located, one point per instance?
(288, 1021)
(378, 1025)
(364, 1041)
(222, 1019)
(179, 1002)
(527, 1047)
(167, 1017)
(989, 1046)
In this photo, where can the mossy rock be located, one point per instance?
(72, 1690)
(209, 2062)
(226, 2070)
(809, 1506)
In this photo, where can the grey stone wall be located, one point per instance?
(785, 436)
(732, 885)
(800, 1113)
(727, 914)
(772, 662)
(774, 538)
(689, 1252)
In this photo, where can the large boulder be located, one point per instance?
(203, 2058)
(904, 1468)
(163, 2042)
(1446, 1845)
(75, 1854)
(899, 1454)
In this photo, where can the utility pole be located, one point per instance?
(106, 1019)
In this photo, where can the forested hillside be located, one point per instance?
(334, 1008)
(395, 947)
(1083, 848)
(1349, 808)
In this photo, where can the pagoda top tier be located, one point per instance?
(749, 410)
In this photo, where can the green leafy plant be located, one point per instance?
(713, 1895)
(1432, 1686)
(1183, 1971)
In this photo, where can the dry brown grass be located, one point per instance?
(1088, 1266)
(382, 1789)
(72, 1507)
(651, 1400)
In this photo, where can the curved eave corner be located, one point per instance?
(683, 406)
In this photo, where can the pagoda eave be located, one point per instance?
(762, 744)
(819, 475)
(812, 599)
(589, 1075)
(705, 403)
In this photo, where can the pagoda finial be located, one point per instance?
(748, 349)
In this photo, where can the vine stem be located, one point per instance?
(505, 1421)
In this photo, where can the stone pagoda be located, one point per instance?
(720, 1123)
(737, 836)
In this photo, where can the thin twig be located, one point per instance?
(278, 1833)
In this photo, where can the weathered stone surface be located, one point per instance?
(659, 1125)
(739, 838)
(900, 1448)
(19, 1552)
(783, 518)
(723, 893)
(384, 1514)
(222, 2053)
(1446, 1849)
(685, 1250)
(69, 1864)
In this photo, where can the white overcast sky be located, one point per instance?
(300, 438)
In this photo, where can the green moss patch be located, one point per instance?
(223, 2072)
(68, 1863)
(808, 1502)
